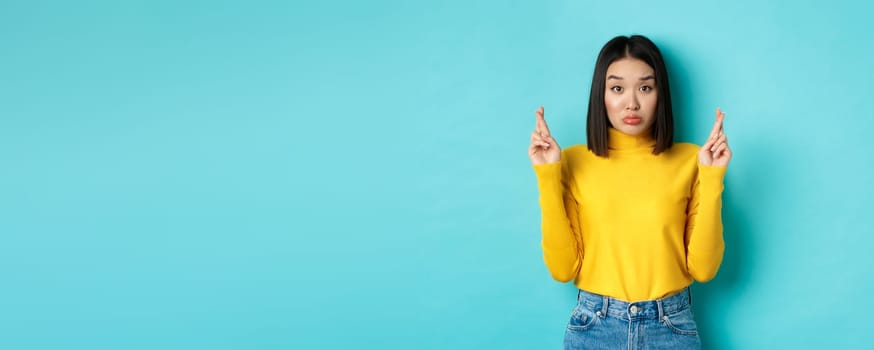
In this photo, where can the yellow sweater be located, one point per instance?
(633, 226)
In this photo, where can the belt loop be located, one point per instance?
(579, 291)
(689, 288)
(604, 306)
(661, 309)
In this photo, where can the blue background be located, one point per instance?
(327, 175)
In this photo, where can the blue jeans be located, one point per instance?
(601, 322)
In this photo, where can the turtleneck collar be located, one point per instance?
(619, 141)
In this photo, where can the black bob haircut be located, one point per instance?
(639, 47)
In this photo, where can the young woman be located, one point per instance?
(631, 217)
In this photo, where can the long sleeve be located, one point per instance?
(561, 240)
(704, 242)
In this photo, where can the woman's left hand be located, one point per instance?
(715, 151)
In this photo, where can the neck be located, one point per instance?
(620, 141)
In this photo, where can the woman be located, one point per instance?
(631, 217)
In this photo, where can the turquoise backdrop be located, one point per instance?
(353, 174)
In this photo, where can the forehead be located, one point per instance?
(629, 67)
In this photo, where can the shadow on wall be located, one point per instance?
(714, 299)
(721, 295)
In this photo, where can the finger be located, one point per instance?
(716, 146)
(536, 139)
(722, 147)
(708, 144)
(549, 141)
(541, 121)
(713, 147)
(717, 125)
(533, 150)
(541, 125)
(722, 139)
(536, 147)
(721, 120)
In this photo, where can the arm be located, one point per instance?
(704, 242)
(561, 241)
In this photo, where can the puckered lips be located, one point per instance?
(632, 119)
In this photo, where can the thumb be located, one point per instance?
(551, 140)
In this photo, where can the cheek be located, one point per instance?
(651, 102)
(612, 103)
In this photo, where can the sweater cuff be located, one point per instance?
(712, 173)
(548, 176)
(712, 178)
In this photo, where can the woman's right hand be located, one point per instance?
(544, 149)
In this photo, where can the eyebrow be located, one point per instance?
(648, 77)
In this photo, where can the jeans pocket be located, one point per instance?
(582, 318)
(681, 322)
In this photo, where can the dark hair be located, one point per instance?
(639, 47)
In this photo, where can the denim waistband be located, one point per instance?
(655, 309)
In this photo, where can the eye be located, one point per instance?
(616, 88)
(646, 88)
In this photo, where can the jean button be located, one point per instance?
(634, 309)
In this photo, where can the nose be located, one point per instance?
(632, 104)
